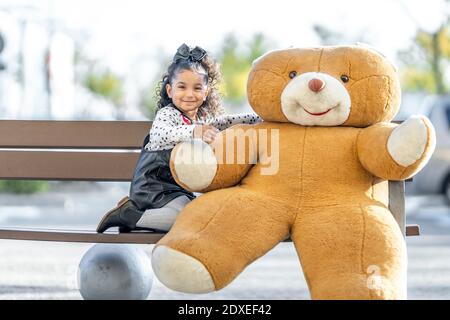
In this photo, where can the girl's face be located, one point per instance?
(188, 90)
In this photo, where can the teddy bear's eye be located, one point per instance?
(292, 74)
(345, 78)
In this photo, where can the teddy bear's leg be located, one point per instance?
(351, 252)
(216, 236)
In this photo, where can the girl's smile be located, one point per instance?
(188, 91)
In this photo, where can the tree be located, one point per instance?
(148, 95)
(425, 61)
(330, 37)
(108, 85)
(2, 46)
(326, 36)
(100, 80)
(147, 101)
(236, 62)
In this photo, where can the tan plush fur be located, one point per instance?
(329, 192)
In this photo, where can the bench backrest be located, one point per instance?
(70, 150)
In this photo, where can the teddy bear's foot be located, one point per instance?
(181, 272)
(194, 164)
(407, 142)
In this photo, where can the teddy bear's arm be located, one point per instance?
(396, 152)
(199, 167)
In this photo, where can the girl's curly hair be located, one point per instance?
(212, 106)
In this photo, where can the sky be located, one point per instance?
(130, 36)
(123, 33)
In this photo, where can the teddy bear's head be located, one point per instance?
(325, 86)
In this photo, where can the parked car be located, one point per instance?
(435, 176)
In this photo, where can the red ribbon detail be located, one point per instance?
(185, 120)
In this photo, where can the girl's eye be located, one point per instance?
(345, 78)
(292, 74)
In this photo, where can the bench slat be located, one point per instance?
(66, 165)
(108, 237)
(412, 230)
(79, 236)
(73, 134)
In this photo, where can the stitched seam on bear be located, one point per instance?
(362, 246)
(372, 76)
(403, 172)
(356, 149)
(390, 156)
(215, 213)
(402, 176)
(388, 100)
(287, 65)
(300, 196)
(253, 94)
(350, 69)
(204, 264)
(270, 71)
(359, 160)
(357, 157)
(198, 232)
(320, 60)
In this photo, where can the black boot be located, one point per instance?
(125, 216)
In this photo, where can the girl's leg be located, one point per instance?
(163, 218)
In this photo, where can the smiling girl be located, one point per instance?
(188, 107)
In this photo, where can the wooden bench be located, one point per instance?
(94, 151)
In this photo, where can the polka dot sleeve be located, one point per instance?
(226, 121)
(168, 130)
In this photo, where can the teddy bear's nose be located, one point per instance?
(316, 85)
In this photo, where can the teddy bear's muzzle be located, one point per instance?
(315, 98)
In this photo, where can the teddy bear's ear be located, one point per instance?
(259, 59)
(369, 47)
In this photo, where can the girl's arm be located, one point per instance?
(167, 131)
(226, 121)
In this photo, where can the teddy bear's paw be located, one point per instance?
(181, 272)
(195, 164)
(407, 142)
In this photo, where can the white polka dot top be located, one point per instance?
(171, 127)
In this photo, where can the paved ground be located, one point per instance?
(46, 270)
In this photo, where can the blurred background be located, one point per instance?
(102, 60)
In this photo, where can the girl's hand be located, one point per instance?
(205, 132)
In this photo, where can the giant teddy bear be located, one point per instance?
(315, 170)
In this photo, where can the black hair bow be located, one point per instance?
(184, 53)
